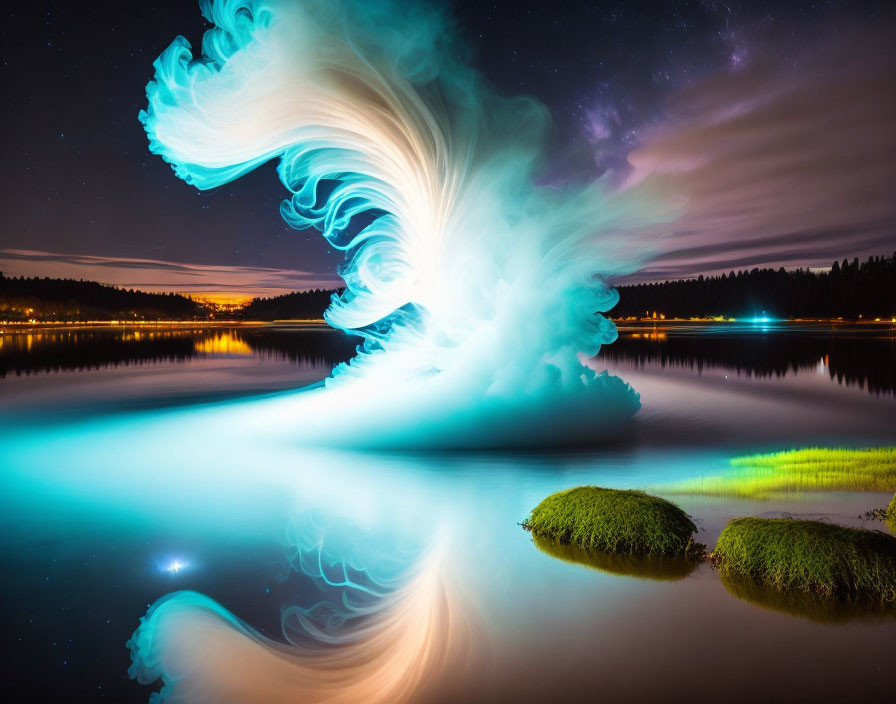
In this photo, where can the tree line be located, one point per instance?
(298, 305)
(851, 289)
(49, 299)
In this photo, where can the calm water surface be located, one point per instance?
(125, 452)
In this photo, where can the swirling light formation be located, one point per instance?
(203, 653)
(381, 618)
(355, 574)
(475, 289)
(460, 273)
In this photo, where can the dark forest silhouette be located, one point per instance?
(70, 299)
(849, 290)
(47, 299)
(299, 305)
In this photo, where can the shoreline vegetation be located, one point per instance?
(851, 290)
(765, 476)
(627, 324)
(43, 300)
(848, 292)
(890, 515)
(886, 515)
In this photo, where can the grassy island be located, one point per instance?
(809, 556)
(811, 469)
(613, 521)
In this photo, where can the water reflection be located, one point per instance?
(864, 357)
(221, 503)
(663, 569)
(808, 605)
(241, 474)
(82, 349)
(227, 343)
(402, 643)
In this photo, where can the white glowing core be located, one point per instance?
(175, 566)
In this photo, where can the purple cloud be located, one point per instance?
(159, 275)
(781, 163)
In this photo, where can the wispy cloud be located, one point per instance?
(784, 162)
(160, 275)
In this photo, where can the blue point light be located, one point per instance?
(175, 566)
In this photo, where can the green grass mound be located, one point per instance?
(656, 567)
(613, 521)
(811, 606)
(809, 556)
(812, 469)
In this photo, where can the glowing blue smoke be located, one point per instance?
(470, 283)
(408, 631)
(356, 577)
(477, 293)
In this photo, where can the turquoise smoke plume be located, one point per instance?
(405, 159)
(477, 292)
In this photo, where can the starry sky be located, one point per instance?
(769, 123)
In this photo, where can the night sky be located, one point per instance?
(773, 125)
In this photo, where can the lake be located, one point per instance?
(147, 461)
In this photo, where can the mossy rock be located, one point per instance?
(812, 606)
(614, 521)
(660, 568)
(810, 557)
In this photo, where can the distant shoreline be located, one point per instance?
(21, 325)
(622, 323)
(850, 292)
